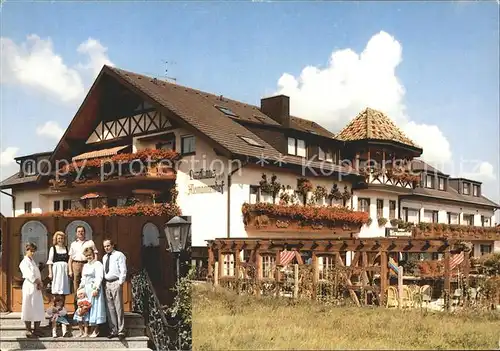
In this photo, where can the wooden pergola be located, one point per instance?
(371, 255)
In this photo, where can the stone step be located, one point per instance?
(44, 343)
(18, 330)
(14, 318)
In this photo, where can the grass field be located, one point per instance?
(223, 320)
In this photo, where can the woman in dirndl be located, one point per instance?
(58, 266)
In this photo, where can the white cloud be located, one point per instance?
(335, 94)
(97, 55)
(35, 64)
(50, 129)
(7, 156)
(481, 171)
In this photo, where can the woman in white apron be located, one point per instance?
(58, 266)
(32, 309)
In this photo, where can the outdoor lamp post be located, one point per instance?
(177, 231)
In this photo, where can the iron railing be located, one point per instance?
(145, 301)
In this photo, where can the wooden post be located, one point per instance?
(466, 265)
(236, 254)
(211, 262)
(216, 274)
(277, 272)
(258, 273)
(296, 281)
(383, 277)
(400, 287)
(221, 264)
(447, 281)
(315, 275)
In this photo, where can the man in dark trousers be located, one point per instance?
(115, 272)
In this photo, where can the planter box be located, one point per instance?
(261, 223)
(464, 233)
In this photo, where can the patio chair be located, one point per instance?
(456, 297)
(473, 295)
(426, 292)
(392, 297)
(407, 298)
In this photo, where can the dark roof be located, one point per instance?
(374, 125)
(466, 179)
(38, 154)
(307, 126)
(16, 179)
(419, 166)
(453, 195)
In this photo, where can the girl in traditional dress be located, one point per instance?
(32, 308)
(58, 265)
(92, 276)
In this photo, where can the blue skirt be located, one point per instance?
(62, 320)
(97, 313)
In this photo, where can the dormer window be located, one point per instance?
(441, 183)
(325, 155)
(428, 181)
(466, 189)
(475, 190)
(29, 167)
(296, 147)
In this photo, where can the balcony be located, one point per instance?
(118, 170)
(451, 231)
(307, 221)
(398, 177)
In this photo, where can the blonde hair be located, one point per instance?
(88, 251)
(56, 234)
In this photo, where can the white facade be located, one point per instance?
(206, 200)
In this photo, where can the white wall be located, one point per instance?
(374, 230)
(251, 175)
(443, 209)
(37, 203)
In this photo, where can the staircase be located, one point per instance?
(12, 336)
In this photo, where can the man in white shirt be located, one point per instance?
(76, 257)
(115, 273)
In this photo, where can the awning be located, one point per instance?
(100, 153)
(91, 196)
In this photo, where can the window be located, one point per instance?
(392, 209)
(57, 205)
(466, 188)
(66, 205)
(380, 208)
(475, 190)
(188, 145)
(364, 205)
(485, 249)
(250, 141)
(321, 154)
(226, 111)
(468, 219)
(167, 145)
(268, 262)
(441, 183)
(329, 156)
(430, 216)
(411, 215)
(254, 194)
(428, 181)
(29, 167)
(453, 218)
(27, 207)
(296, 147)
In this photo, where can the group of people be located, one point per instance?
(97, 286)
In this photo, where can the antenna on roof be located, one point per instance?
(166, 71)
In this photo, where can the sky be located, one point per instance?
(432, 67)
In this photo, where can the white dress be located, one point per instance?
(32, 309)
(60, 279)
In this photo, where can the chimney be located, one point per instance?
(278, 108)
